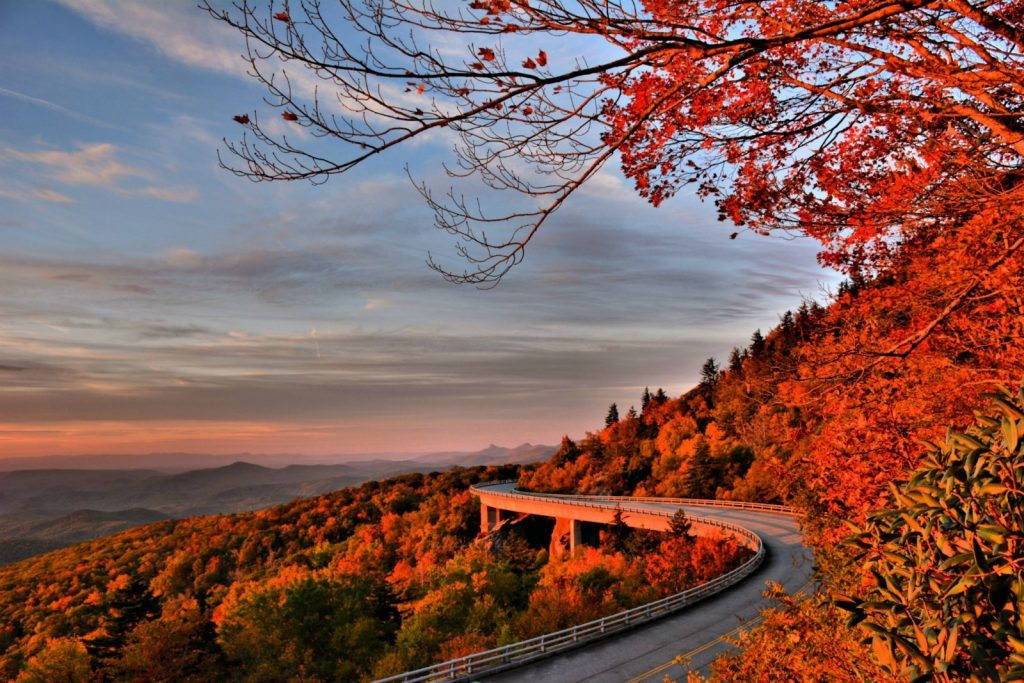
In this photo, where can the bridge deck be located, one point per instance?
(647, 652)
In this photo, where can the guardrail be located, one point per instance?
(514, 654)
(702, 502)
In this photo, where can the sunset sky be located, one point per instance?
(150, 301)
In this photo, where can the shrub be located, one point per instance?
(944, 568)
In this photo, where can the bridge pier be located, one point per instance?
(490, 517)
(569, 534)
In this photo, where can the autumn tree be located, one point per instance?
(865, 124)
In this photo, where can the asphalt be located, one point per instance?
(691, 639)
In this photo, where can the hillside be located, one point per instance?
(364, 581)
(391, 576)
(46, 509)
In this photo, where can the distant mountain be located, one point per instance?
(45, 509)
(495, 455)
(181, 462)
(381, 464)
(22, 536)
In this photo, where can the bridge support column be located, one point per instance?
(570, 533)
(488, 518)
(575, 534)
(491, 516)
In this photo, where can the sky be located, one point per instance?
(152, 302)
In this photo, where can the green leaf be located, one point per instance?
(993, 533)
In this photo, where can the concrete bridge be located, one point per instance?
(668, 637)
(580, 517)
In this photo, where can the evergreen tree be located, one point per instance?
(613, 415)
(735, 360)
(617, 533)
(708, 375)
(128, 607)
(645, 400)
(702, 476)
(659, 396)
(756, 344)
(787, 325)
(680, 526)
(631, 415)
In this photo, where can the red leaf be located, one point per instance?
(283, 16)
(477, 65)
(242, 119)
(529, 64)
(289, 116)
(542, 58)
(486, 54)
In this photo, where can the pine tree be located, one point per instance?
(756, 344)
(735, 360)
(617, 533)
(701, 477)
(680, 526)
(631, 414)
(708, 375)
(645, 400)
(613, 415)
(659, 396)
(127, 608)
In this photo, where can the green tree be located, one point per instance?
(617, 533)
(129, 606)
(63, 660)
(757, 345)
(613, 415)
(735, 360)
(709, 375)
(328, 628)
(177, 647)
(701, 476)
(679, 526)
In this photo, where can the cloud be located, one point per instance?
(41, 194)
(178, 30)
(94, 165)
(168, 194)
(91, 164)
(53, 106)
(183, 33)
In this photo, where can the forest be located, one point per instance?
(888, 414)
(399, 573)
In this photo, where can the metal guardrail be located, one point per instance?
(701, 502)
(513, 654)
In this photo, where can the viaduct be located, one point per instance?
(662, 639)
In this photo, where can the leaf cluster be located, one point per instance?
(944, 567)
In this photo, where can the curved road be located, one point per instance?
(650, 652)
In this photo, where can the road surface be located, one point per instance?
(649, 652)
